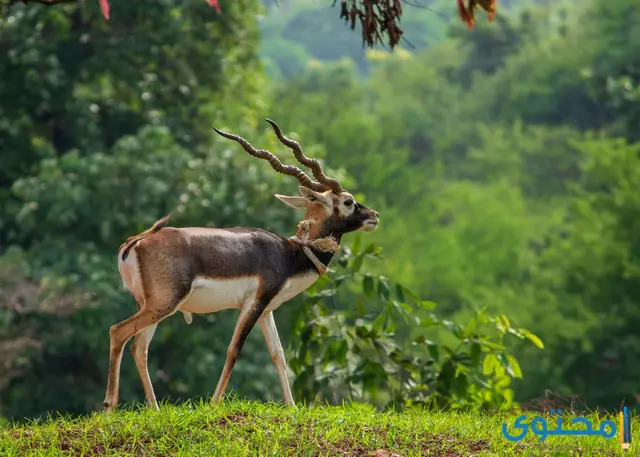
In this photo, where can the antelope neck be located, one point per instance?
(320, 259)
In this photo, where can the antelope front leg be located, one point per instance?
(247, 319)
(268, 327)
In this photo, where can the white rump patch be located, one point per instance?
(130, 273)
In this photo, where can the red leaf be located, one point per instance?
(214, 3)
(465, 15)
(104, 6)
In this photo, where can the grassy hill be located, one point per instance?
(249, 428)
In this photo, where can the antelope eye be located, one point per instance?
(348, 203)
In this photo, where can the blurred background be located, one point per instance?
(504, 161)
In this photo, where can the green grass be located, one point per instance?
(238, 428)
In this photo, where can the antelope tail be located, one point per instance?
(127, 245)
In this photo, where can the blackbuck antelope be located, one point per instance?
(204, 270)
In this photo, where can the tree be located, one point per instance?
(67, 84)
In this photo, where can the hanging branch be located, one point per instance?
(377, 19)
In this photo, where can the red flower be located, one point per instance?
(214, 3)
(104, 6)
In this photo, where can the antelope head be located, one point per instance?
(333, 210)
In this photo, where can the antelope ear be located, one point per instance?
(293, 201)
(311, 196)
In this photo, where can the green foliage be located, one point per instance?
(79, 199)
(72, 81)
(496, 159)
(596, 262)
(388, 347)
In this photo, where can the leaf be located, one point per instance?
(489, 344)
(428, 305)
(508, 395)
(403, 308)
(375, 371)
(383, 289)
(533, 338)
(390, 325)
(399, 293)
(367, 286)
(465, 16)
(380, 321)
(411, 294)
(489, 363)
(454, 327)
(515, 366)
(474, 354)
(446, 375)
(460, 385)
(342, 350)
(356, 245)
(370, 249)
(471, 327)
(434, 351)
(503, 360)
(357, 264)
(460, 368)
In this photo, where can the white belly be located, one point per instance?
(211, 295)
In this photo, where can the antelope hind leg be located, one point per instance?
(150, 314)
(140, 350)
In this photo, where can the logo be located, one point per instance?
(539, 427)
(625, 429)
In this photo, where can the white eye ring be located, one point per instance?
(348, 203)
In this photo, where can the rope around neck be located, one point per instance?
(326, 244)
